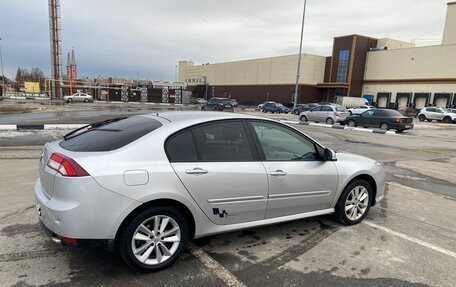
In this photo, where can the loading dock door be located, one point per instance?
(382, 102)
(420, 102)
(441, 102)
(402, 102)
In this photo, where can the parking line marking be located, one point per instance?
(412, 239)
(218, 269)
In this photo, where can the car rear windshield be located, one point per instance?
(388, 113)
(111, 136)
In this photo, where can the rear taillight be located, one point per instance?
(336, 114)
(68, 241)
(398, 120)
(66, 166)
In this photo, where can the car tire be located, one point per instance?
(351, 123)
(447, 120)
(86, 100)
(264, 111)
(422, 118)
(399, 131)
(128, 245)
(329, 121)
(296, 112)
(384, 126)
(203, 108)
(350, 112)
(69, 100)
(303, 119)
(350, 209)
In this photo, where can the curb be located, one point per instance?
(339, 127)
(40, 127)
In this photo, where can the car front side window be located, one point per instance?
(282, 144)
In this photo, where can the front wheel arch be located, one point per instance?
(182, 208)
(369, 180)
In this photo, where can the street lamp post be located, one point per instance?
(1, 62)
(295, 99)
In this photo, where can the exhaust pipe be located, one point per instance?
(56, 240)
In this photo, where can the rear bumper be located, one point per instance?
(79, 208)
(401, 126)
(104, 243)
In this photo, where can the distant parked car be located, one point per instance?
(234, 103)
(326, 113)
(409, 112)
(381, 118)
(260, 106)
(218, 104)
(78, 97)
(360, 109)
(201, 101)
(275, 108)
(303, 108)
(439, 114)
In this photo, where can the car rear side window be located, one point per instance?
(326, 109)
(181, 148)
(111, 136)
(343, 109)
(224, 142)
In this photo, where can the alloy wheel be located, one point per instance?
(357, 202)
(351, 124)
(156, 239)
(384, 127)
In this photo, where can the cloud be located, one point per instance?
(146, 38)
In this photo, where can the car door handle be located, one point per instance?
(196, 170)
(278, 172)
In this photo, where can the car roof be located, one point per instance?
(194, 117)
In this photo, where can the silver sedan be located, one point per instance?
(78, 97)
(147, 184)
(329, 114)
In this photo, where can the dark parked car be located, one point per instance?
(275, 108)
(218, 104)
(381, 118)
(303, 108)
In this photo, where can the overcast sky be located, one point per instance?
(147, 38)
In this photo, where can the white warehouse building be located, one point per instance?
(390, 73)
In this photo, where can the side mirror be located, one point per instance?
(330, 155)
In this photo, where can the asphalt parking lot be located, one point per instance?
(409, 239)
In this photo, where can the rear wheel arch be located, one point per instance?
(180, 207)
